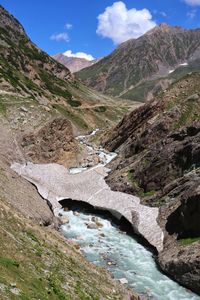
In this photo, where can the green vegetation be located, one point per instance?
(32, 53)
(187, 114)
(32, 236)
(8, 262)
(101, 109)
(188, 241)
(160, 202)
(147, 194)
(2, 108)
(140, 92)
(77, 120)
(55, 85)
(41, 265)
(74, 103)
(132, 179)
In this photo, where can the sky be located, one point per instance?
(94, 28)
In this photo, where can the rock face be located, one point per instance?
(14, 189)
(123, 73)
(52, 143)
(54, 183)
(183, 261)
(159, 160)
(74, 64)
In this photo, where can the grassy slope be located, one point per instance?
(41, 265)
(140, 92)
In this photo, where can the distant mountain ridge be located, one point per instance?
(139, 64)
(74, 64)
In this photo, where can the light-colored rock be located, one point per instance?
(24, 109)
(99, 224)
(2, 286)
(123, 280)
(64, 220)
(15, 291)
(54, 183)
(76, 213)
(92, 226)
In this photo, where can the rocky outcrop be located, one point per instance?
(54, 183)
(54, 142)
(14, 189)
(184, 221)
(180, 256)
(182, 264)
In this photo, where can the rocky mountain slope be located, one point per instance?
(74, 64)
(139, 68)
(159, 160)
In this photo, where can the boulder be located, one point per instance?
(92, 226)
(64, 220)
(123, 280)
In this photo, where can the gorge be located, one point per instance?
(99, 238)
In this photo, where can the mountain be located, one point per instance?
(139, 68)
(74, 64)
(158, 148)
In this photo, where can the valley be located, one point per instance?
(100, 169)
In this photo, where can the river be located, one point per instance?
(105, 245)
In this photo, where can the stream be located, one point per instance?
(104, 244)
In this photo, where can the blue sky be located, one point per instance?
(58, 26)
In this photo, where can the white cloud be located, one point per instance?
(191, 14)
(68, 26)
(120, 24)
(62, 36)
(69, 53)
(161, 13)
(193, 2)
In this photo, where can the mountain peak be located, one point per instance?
(74, 64)
(7, 20)
(164, 28)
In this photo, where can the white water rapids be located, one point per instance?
(121, 254)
